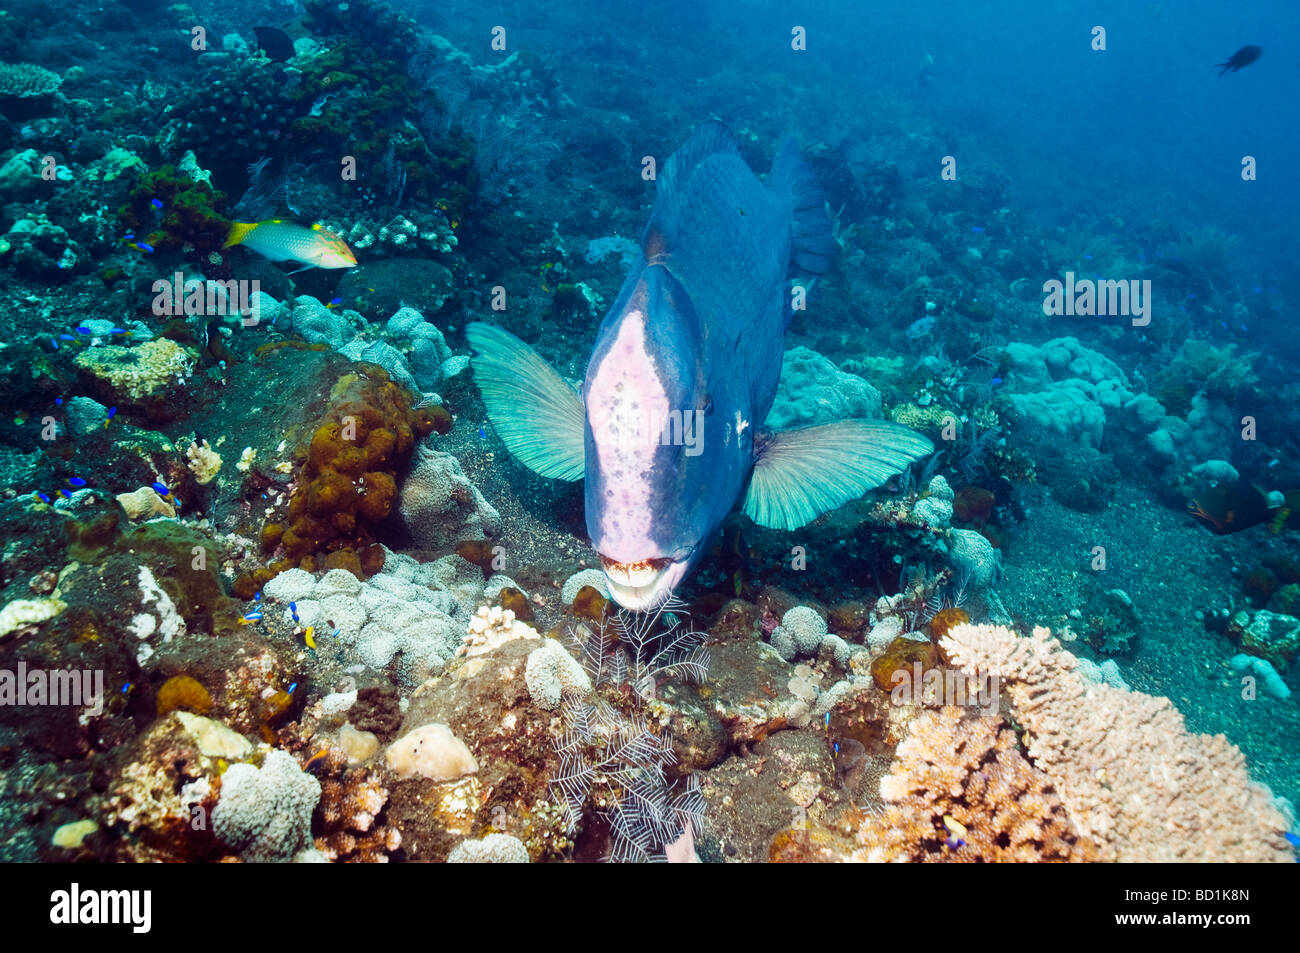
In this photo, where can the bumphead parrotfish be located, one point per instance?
(667, 432)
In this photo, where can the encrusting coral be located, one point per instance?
(1130, 775)
(136, 374)
(351, 809)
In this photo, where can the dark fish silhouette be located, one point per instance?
(274, 42)
(1231, 507)
(1243, 57)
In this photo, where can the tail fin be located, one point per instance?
(812, 247)
(238, 232)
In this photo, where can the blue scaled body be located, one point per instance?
(667, 431)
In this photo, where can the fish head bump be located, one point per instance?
(664, 465)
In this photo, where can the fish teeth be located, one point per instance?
(638, 586)
(638, 598)
(635, 575)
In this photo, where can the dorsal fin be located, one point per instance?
(708, 139)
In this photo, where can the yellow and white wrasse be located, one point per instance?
(314, 246)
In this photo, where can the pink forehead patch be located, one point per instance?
(624, 401)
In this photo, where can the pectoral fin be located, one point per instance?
(538, 416)
(801, 474)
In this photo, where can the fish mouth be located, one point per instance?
(644, 584)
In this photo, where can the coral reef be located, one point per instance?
(961, 790)
(265, 814)
(440, 506)
(1132, 779)
(265, 615)
(348, 482)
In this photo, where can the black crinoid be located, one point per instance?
(611, 758)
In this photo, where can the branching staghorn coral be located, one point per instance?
(960, 790)
(1130, 775)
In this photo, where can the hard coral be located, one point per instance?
(960, 790)
(441, 507)
(1130, 775)
(26, 81)
(266, 814)
(351, 807)
(151, 378)
(170, 771)
(203, 461)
